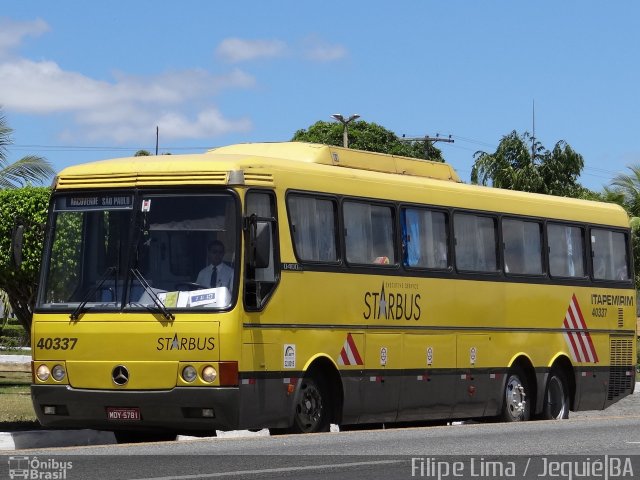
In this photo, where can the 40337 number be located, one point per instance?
(57, 343)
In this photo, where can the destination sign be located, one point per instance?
(95, 202)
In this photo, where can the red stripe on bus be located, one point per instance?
(354, 350)
(583, 345)
(574, 347)
(584, 325)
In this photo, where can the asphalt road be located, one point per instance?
(392, 453)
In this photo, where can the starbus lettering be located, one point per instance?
(185, 343)
(391, 305)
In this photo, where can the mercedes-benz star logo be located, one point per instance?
(120, 375)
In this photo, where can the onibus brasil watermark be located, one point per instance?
(36, 468)
(605, 467)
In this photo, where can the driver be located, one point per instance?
(217, 273)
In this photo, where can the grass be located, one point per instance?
(14, 351)
(16, 410)
(15, 379)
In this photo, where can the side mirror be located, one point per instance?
(259, 251)
(261, 246)
(17, 240)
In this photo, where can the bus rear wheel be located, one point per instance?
(556, 397)
(312, 407)
(516, 407)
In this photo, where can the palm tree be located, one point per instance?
(628, 186)
(29, 169)
(516, 167)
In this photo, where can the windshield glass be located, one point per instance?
(186, 251)
(179, 253)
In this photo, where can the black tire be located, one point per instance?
(312, 407)
(516, 406)
(556, 396)
(132, 436)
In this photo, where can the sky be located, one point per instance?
(83, 81)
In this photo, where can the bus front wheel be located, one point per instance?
(312, 407)
(516, 406)
(556, 397)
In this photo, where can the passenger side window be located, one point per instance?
(475, 243)
(609, 253)
(313, 227)
(425, 238)
(566, 250)
(369, 233)
(522, 244)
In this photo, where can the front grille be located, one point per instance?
(621, 365)
(620, 318)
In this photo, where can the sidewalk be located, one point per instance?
(15, 363)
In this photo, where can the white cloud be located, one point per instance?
(126, 108)
(12, 32)
(239, 50)
(124, 124)
(313, 48)
(319, 51)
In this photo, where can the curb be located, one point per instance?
(54, 438)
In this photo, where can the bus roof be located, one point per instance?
(319, 167)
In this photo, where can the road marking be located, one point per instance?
(633, 442)
(238, 473)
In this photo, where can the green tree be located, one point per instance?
(513, 166)
(367, 136)
(27, 206)
(625, 191)
(142, 153)
(27, 170)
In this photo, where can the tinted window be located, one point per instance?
(475, 240)
(313, 225)
(609, 253)
(566, 250)
(369, 234)
(522, 247)
(425, 238)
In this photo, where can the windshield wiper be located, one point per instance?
(92, 291)
(163, 309)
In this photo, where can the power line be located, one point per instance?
(70, 148)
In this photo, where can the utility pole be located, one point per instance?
(533, 135)
(157, 135)
(428, 141)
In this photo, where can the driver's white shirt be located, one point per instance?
(224, 276)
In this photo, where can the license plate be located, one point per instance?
(123, 413)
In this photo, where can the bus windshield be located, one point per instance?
(120, 251)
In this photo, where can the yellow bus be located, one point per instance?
(294, 285)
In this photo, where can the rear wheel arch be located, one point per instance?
(558, 390)
(521, 365)
(318, 397)
(563, 364)
(324, 368)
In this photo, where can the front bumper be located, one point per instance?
(178, 409)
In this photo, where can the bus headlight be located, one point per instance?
(209, 374)
(189, 374)
(43, 373)
(58, 373)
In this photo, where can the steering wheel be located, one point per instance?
(189, 286)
